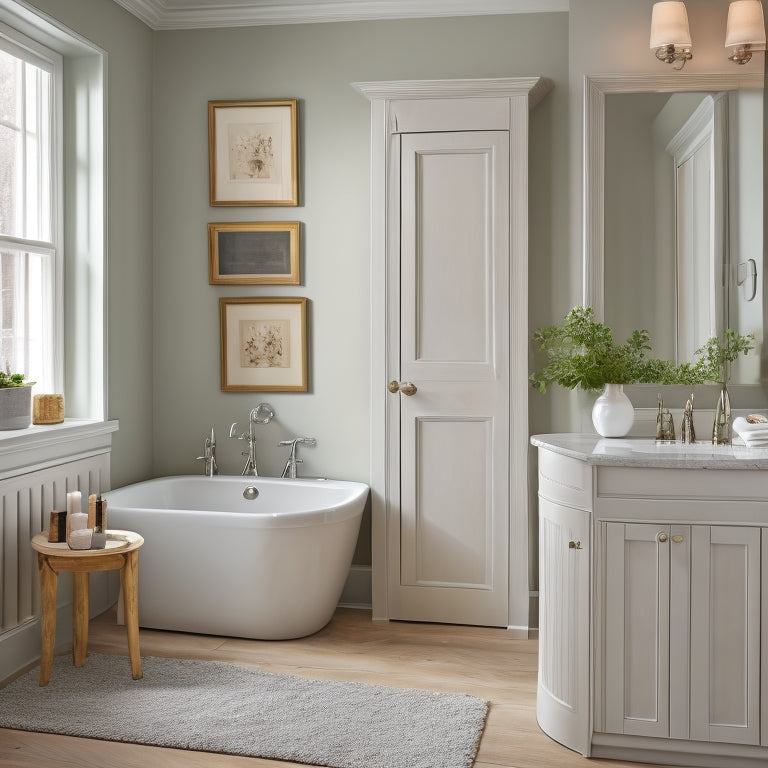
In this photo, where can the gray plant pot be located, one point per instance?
(15, 407)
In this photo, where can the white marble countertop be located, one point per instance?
(647, 452)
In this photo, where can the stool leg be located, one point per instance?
(80, 617)
(129, 580)
(48, 584)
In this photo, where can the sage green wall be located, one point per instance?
(315, 64)
(129, 47)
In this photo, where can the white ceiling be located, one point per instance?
(188, 14)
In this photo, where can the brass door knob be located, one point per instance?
(677, 539)
(574, 545)
(662, 537)
(406, 387)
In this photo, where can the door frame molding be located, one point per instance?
(522, 94)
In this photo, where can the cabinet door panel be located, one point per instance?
(725, 634)
(562, 703)
(449, 546)
(637, 629)
(764, 640)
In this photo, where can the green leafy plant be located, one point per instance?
(581, 352)
(717, 357)
(8, 379)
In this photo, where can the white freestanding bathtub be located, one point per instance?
(252, 557)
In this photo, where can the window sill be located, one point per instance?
(45, 445)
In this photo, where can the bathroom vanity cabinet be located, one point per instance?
(653, 593)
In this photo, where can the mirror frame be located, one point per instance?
(596, 88)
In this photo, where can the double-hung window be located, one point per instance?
(30, 223)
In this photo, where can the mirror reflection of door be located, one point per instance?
(699, 153)
(648, 280)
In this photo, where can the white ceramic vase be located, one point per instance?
(613, 413)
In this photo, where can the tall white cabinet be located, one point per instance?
(654, 600)
(449, 278)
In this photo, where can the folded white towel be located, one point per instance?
(754, 442)
(743, 427)
(761, 434)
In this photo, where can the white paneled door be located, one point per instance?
(448, 547)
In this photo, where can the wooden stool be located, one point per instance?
(121, 552)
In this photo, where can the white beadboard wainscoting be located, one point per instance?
(37, 470)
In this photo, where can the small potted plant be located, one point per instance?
(15, 400)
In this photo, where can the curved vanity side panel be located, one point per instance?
(562, 702)
(565, 480)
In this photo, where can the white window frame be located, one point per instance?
(33, 52)
(82, 280)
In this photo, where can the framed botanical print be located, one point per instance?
(263, 344)
(253, 253)
(253, 155)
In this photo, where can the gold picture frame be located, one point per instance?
(252, 152)
(263, 344)
(253, 253)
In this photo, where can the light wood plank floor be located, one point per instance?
(479, 661)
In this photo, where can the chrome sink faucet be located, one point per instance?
(210, 468)
(263, 413)
(292, 464)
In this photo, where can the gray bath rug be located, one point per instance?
(217, 707)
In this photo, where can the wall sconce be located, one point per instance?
(745, 31)
(670, 36)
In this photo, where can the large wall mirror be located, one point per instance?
(673, 210)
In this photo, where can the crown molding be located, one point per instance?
(535, 88)
(196, 14)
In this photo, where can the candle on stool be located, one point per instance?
(80, 538)
(77, 520)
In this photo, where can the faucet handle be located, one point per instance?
(233, 432)
(299, 441)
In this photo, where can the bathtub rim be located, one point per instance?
(351, 506)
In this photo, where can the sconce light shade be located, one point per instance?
(745, 31)
(669, 25)
(670, 35)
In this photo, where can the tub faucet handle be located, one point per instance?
(210, 468)
(291, 464)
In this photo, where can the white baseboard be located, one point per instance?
(357, 590)
(20, 646)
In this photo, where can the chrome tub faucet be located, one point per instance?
(210, 468)
(291, 465)
(263, 413)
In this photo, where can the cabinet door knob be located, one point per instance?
(677, 539)
(662, 537)
(574, 545)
